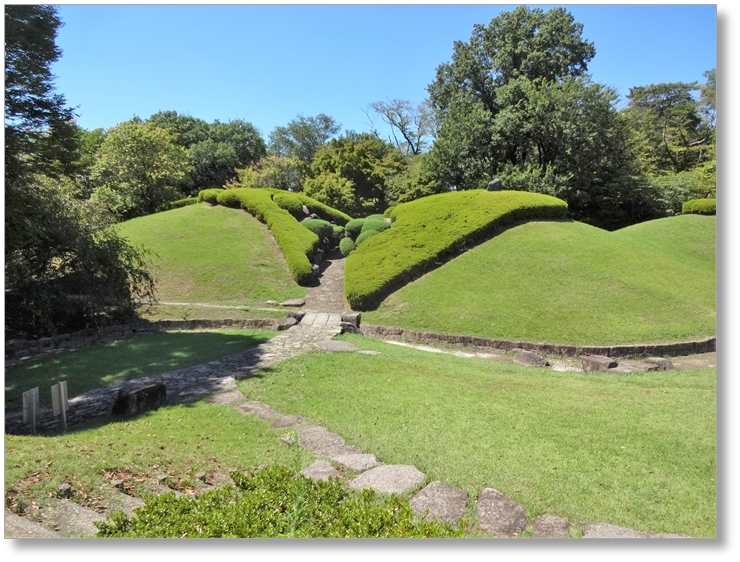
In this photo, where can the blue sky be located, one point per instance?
(268, 63)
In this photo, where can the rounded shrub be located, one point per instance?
(229, 198)
(209, 195)
(700, 207)
(354, 227)
(388, 211)
(183, 202)
(364, 236)
(321, 228)
(290, 203)
(376, 224)
(346, 245)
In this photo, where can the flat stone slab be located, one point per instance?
(312, 437)
(124, 502)
(369, 352)
(530, 359)
(72, 520)
(609, 531)
(17, 527)
(288, 421)
(389, 479)
(332, 345)
(550, 526)
(293, 302)
(440, 501)
(338, 451)
(662, 363)
(634, 367)
(501, 515)
(597, 363)
(321, 470)
(230, 398)
(358, 462)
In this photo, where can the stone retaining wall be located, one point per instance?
(625, 351)
(29, 349)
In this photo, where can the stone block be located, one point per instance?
(351, 318)
(133, 400)
(597, 363)
(530, 359)
(550, 526)
(662, 363)
(503, 516)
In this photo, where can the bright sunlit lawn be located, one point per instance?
(632, 450)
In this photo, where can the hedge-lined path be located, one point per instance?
(326, 293)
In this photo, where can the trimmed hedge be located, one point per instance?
(364, 235)
(377, 224)
(346, 245)
(297, 243)
(291, 203)
(183, 202)
(388, 211)
(322, 211)
(210, 195)
(354, 227)
(321, 228)
(700, 207)
(431, 230)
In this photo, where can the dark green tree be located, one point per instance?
(302, 137)
(64, 268)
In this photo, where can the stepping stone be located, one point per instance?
(389, 479)
(293, 302)
(268, 414)
(288, 421)
(312, 437)
(529, 359)
(358, 463)
(338, 451)
(252, 407)
(321, 470)
(551, 526)
(596, 363)
(17, 527)
(308, 319)
(72, 519)
(634, 367)
(333, 345)
(608, 531)
(663, 363)
(228, 398)
(440, 501)
(503, 516)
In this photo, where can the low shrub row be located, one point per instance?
(429, 231)
(183, 202)
(297, 243)
(700, 207)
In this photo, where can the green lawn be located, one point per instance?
(123, 360)
(570, 283)
(631, 450)
(213, 254)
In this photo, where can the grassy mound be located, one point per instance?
(571, 283)
(428, 231)
(635, 450)
(212, 254)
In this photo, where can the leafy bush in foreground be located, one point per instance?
(346, 245)
(270, 504)
(321, 228)
(428, 231)
(700, 207)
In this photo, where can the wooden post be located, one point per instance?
(31, 407)
(59, 403)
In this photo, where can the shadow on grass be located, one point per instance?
(123, 360)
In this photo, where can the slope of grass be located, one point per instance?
(633, 450)
(570, 283)
(122, 360)
(214, 255)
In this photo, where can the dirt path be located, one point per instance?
(326, 293)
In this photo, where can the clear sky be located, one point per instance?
(268, 63)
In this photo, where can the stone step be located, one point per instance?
(70, 520)
(17, 527)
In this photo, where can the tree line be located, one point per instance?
(514, 102)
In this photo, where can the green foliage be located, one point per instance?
(346, 245)
(354, 227)
(376, 223)
(290, 203)
(184, 202)
(210, 195)
(302, 137)
(136, 169)
(428, 231)
(278, 172)
(388, 211)
(272, 503)
(364, 235)
(700, 207)
(320, 228)
(323, 211)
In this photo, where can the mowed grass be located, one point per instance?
(175, 440)
(213, 254)
(122, 360)
(571, 283)
(632, 450)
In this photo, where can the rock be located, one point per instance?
(495, 185)
(608, 531)
(72, 519)
(288, 421)
(389, 479)
(440, 501)
(139, 398)
(338, 451)
(321, 470)
(351, 318)
(293, 302)
(333, 345)
(358, 462)
(663, 363)
(306, 211)
(297, 314)
(596, 363)
(634, 367)
(530, 359)
(503, 516)
(64, 490)
(312, 437)
(550, 526)
(200, 476)
(228, 398)
(117, 484)
(17, 527)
